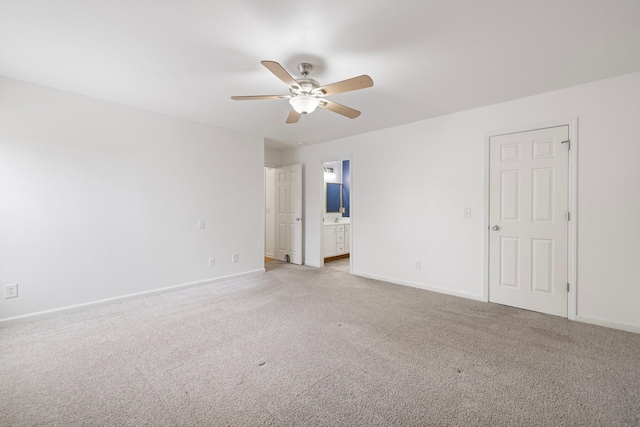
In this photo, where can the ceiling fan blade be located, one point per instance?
(355, 83)
(339, 108)
(294, 116)
(246, 98)
(280, 73)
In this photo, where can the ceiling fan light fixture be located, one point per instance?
(304, 104)
(306, 94)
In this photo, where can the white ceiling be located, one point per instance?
(186, 58)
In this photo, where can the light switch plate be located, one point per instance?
(467, 212)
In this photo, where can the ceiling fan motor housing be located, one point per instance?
(307, 87)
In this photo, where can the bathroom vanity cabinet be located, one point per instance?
(336, 239)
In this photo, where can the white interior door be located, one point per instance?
(528, 214)
(289, 214)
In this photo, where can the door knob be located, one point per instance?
(495, 227)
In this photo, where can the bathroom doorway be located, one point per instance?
(336, 215)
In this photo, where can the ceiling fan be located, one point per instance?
(307, 94)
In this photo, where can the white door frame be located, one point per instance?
(572, 123)
(322, 212)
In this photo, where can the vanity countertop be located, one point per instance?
(342, 221)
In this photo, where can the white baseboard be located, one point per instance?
(421, 286)
(609, 324)
(40, 315)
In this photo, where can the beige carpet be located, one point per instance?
(305, 346)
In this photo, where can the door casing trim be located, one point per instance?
(572, 267)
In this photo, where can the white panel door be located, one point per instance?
(289, 213)
(528, 214)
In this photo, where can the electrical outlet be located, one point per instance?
(467, 212)
(212, 262)
(234, 258)
(11, 291)
(200, 225)
(418, 265)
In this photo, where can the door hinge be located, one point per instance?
(568, 142)
(568, 216)
(567, 287)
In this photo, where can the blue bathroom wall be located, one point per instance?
(346, 187)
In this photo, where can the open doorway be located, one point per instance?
(283, 214)
(336, 228)
(269, 214)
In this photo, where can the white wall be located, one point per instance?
(416, 212)
(99, 200)
(272, 158)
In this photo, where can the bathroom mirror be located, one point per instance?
(334, 197)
